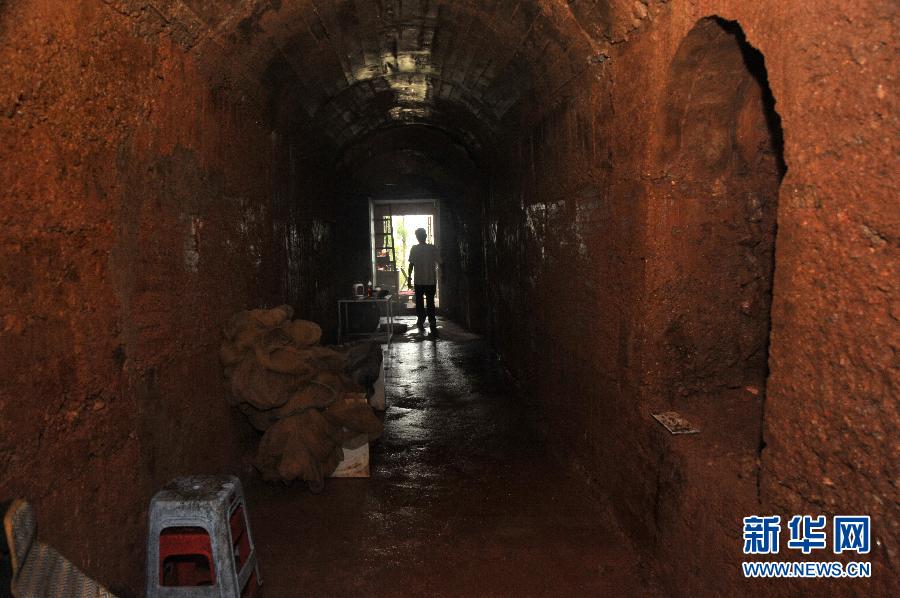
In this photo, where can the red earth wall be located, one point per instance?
(613, 238)
(139, 212)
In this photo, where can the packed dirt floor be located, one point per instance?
(462, 500)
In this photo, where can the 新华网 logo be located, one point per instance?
(807, 534)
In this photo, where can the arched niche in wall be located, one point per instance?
(723, 154)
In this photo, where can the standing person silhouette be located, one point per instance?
(423, 260)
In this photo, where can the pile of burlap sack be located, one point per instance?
(308, 400)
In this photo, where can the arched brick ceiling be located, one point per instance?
(408, 161)
(356, 66)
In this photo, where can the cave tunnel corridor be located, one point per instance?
(642, 207)
(463, 500)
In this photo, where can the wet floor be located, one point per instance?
(462, 500)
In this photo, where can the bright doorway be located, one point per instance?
(394, 223)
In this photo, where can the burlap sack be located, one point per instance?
(303, 333)
(353, 412)
(364, 362)
(302, 446)
(282, 456)
(338, 380)
(311, 396)
(307, 399)
(287, 360)
(230, 354)
(259, 419)
(272, 318)
(262, 388)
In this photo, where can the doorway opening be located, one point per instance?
(394, 223)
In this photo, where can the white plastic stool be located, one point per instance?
(199, 543)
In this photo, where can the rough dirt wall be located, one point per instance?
(138, 216)
(709, 174)
(563, 271)
(463, 293)
(576, 306)
(310, 248)
(712, 226)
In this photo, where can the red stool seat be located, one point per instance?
(185, 557)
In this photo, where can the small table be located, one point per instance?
(344, 317)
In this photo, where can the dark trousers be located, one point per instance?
(425, 292)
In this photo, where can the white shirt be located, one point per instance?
(423, 258)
